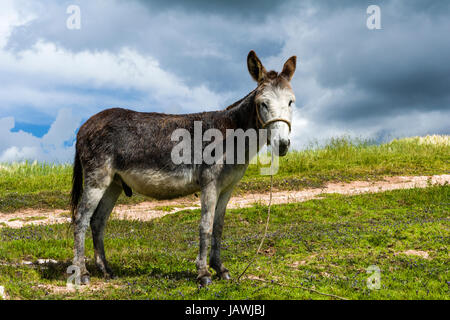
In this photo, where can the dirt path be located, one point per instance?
(150, 210)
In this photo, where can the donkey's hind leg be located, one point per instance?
(208, 200)
(98, 224)
(93, 192)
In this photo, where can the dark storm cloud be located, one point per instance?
(325, 7)
(347, 76)
(250, 9)
(206, 44)
(371, 76)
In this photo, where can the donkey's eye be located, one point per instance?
(263, 105)
(290, 103)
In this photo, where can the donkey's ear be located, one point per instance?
(255, 67)
(289, 68)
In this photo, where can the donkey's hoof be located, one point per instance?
(110, 276)
(108, 273)
(204, 281)
(225, 275)
(85, 279)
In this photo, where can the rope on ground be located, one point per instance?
(301, 287)
(267, 223)
(264, 236)
(259, 249)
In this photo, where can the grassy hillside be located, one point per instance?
(326, 245)
(40, 185)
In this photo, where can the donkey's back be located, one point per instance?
(134, 149)
(127, 138)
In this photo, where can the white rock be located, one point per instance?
(46, 261)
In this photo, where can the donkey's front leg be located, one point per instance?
(208, 200)
(219, 216)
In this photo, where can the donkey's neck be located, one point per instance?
(243, 112)
(243, 116)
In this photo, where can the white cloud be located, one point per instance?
(11, 16)
(49, 79)
(47, 65)
(130, 55)
(55, 146)
(306, 131)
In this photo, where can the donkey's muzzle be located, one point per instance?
(283, 147)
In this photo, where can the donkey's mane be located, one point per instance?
(271, 75)
(235, 104)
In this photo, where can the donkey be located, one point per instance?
(119, 149)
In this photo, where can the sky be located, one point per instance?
(190, 56)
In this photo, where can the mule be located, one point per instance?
(119, 149)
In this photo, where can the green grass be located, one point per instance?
(343, 159)
(40, 185)
(323, 244)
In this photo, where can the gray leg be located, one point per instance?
(92, 194)
(98, 224)
(219, 216)
(208, 200)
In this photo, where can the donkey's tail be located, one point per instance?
(77, 184)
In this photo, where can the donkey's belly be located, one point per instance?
(159, 184)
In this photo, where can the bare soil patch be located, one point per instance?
(92, 287)
(149, 210)
(418, 253)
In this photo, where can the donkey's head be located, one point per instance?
(274, 101)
